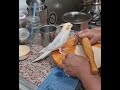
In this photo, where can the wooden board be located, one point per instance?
(69, 48)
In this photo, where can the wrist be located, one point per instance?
(91, 82)
(88, 76)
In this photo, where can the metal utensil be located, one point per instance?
(48, 33)
(23, 35)
(77, 19)
(41, 12)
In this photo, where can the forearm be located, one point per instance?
(91, 82)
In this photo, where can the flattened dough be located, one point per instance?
(97, 54)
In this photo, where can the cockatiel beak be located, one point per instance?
(67, 26)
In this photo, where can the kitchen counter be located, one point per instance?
(26, 85)
(35, 72)
(32, 75)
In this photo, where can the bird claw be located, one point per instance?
(61, 51)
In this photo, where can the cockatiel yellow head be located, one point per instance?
(67, 26)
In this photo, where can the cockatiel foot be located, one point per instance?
(61, 51)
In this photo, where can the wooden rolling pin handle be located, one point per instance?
(93, 66)
(89, 53)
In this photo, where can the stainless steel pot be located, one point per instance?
(79, 20)
(41, 12)
(56, 8)
(48, 33)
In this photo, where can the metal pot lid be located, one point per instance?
(76, 17)
(23, 33)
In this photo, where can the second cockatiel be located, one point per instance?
(57, 43)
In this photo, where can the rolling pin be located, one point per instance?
(89, 52)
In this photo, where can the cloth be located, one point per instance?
(57, 80)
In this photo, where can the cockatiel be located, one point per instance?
(57, 43)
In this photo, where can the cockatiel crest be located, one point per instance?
(57, 43)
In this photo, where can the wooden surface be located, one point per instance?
(69, 48)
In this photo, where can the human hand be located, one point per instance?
(77, 66)
(94, 35)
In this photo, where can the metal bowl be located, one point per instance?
(77, 19)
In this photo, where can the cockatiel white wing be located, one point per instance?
(60, 39)
(57, 42)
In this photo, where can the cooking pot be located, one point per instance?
(79, 20)
(56, 8)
